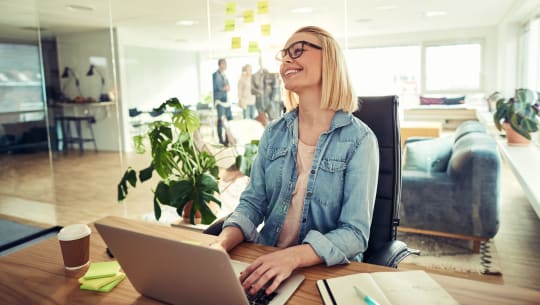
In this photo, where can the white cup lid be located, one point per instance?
(73, 232)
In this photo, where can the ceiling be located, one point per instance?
(154, 22)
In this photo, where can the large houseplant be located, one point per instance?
(519, 112)
(188, 177)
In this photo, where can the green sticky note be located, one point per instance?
(99, 282)
(229, 25)
(230, 8)
(265, 29)
(108, 287)
(236, 43)
(262, 7)
(102, 269)
(248, 16)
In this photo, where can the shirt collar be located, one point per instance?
(340, 119)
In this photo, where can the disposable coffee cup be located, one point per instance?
(75, 244)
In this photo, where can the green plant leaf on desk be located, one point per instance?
(186, 174)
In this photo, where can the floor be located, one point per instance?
(46, 190)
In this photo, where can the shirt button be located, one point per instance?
(304, 220)
(309, 194)
(313, 172)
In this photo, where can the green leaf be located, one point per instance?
(130, 176)
(162, 193)
(180, 192)
(146, 173)
(157, 208)
(139, 145)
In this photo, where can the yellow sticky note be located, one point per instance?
(236, 43)
(229, 25)
(230, 8)
(248, 16)
(107, 287)
(265, 29)
(262, 7)
(253, 46)
(95, 284)
(102, 269)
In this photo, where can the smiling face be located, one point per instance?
(304, 72)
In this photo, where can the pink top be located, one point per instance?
(291, 226)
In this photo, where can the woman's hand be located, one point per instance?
(268, 271)
(271, 269)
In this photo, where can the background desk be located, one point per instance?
(36, 276)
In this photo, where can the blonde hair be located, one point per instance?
(337, 92)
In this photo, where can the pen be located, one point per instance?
(365, 297)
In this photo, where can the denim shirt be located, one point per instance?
(219, 81)
(340, 194)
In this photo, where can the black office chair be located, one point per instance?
(381, 115)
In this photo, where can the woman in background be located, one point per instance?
(246, 100)
(314, 180)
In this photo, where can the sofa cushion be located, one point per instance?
(454, 100)
(428, 155)
(431, 100)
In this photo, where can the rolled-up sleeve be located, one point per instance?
(350, 239)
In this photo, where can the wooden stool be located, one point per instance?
(69, 138)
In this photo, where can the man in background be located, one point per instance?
(223, 107)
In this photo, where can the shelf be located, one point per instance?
(20, 84)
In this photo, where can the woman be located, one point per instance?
(246, 100)
(314, 180)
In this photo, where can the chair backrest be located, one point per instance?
(381, 115)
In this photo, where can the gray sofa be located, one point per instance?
(452, 184)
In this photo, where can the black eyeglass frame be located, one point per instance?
(287, 51)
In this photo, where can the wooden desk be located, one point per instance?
(36, 275)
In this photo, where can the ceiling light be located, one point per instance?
(302, 10)
(186, 22)
(363, 20)
(386, 7)
(434, 13)
(80, 8)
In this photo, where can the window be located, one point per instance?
(384, 71)
(531, 61)
(453, 68)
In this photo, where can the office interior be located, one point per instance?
(115, 60)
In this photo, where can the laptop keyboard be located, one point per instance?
(260, 298)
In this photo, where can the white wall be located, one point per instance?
(149, 75)
(78, 51)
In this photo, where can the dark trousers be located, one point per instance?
(222, 112)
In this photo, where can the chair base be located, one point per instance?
(475, 239)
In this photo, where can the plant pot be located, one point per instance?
(187, 211)
(513, 137)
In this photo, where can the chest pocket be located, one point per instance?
(276, 153)
(333, 166)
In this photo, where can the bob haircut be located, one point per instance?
(337, 93)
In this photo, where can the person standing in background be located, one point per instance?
(223, 107)
(246, 100)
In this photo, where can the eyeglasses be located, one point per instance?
(295, 50)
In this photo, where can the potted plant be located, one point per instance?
(244, 162)
(188, 177)
(517, 115)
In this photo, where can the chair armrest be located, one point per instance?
(216, 227)
(391, 254)
(417, 139)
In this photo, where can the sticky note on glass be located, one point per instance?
(102, 269)
(253, 46)
(236, 43)
(248, 16)
(262, 7)
(265, 29)
(229, 25)
(230, 8)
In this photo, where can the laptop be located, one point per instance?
(183, 272)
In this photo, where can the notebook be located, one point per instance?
(182, 272)
(386, 288)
